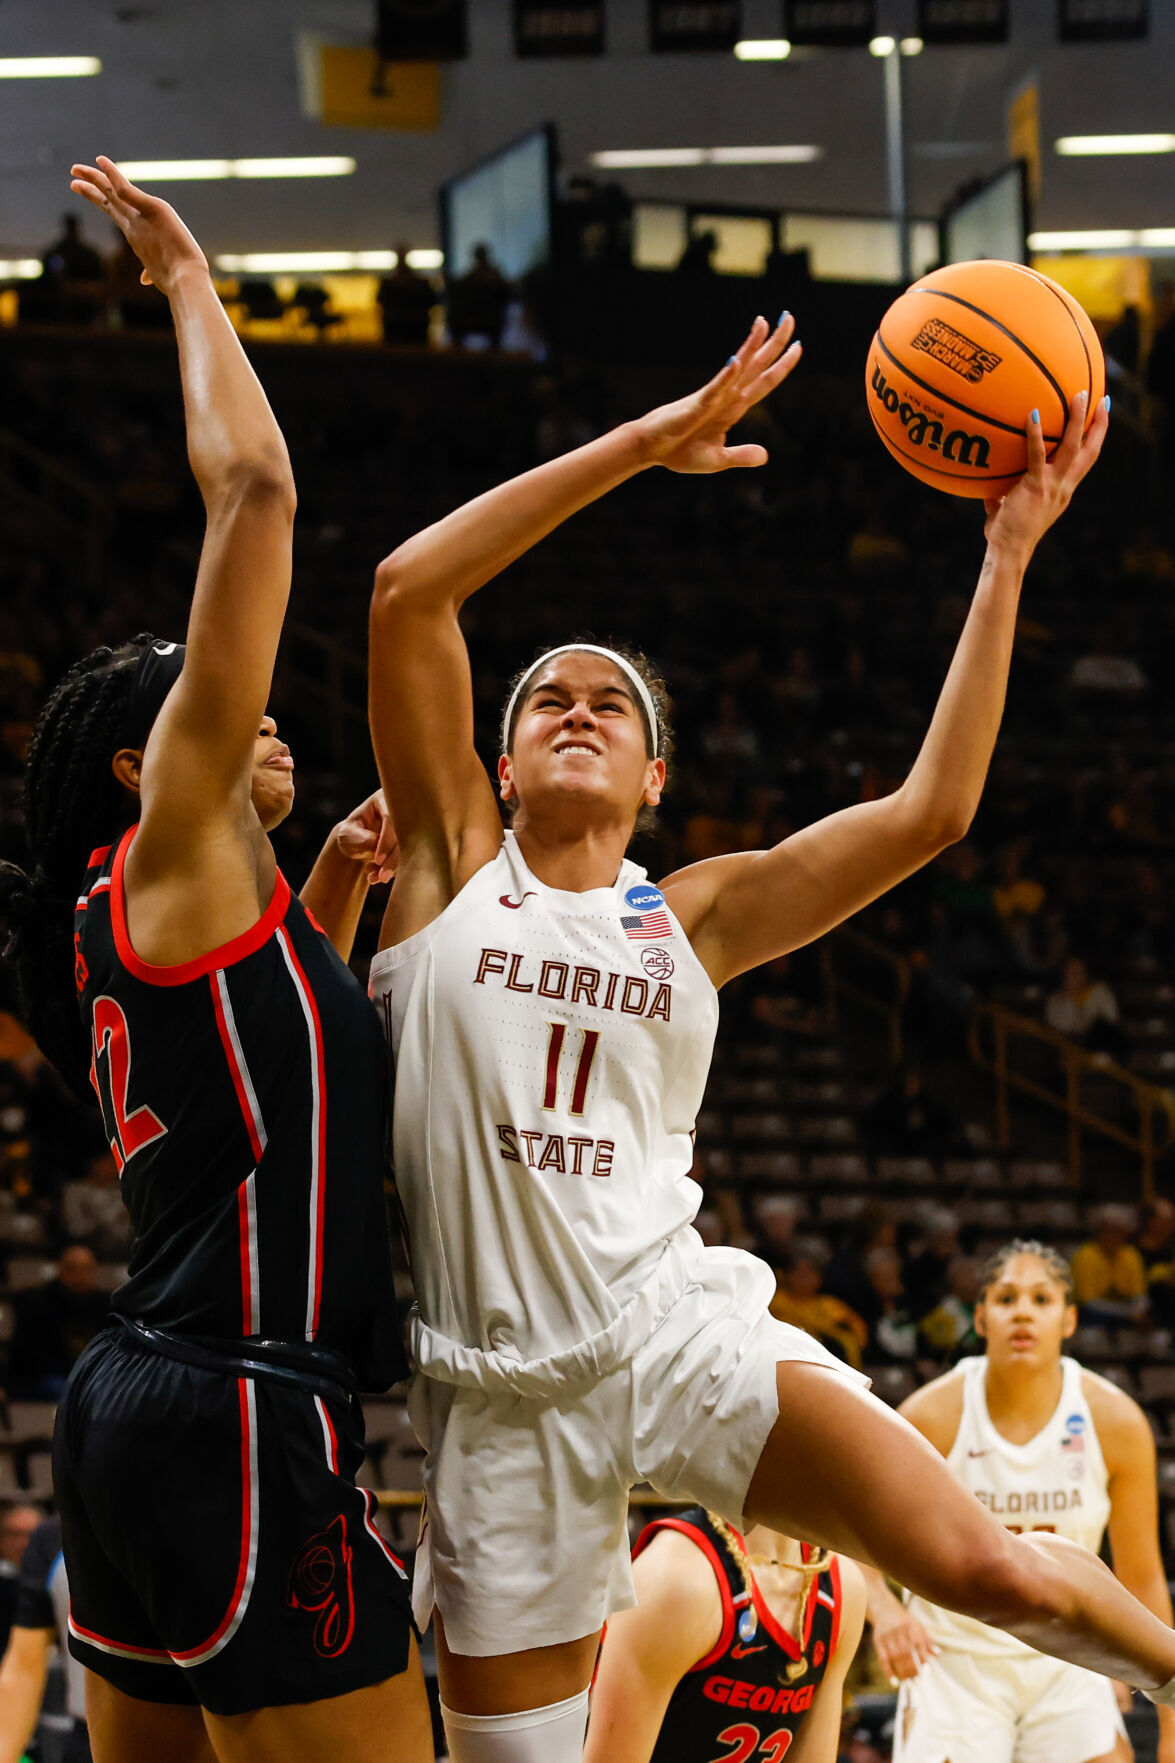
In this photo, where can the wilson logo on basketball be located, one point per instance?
(320, 1583)
(926, 431)
(955, 351)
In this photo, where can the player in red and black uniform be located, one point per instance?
(230, 1594)
(732, 1655)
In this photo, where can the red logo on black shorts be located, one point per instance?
(320, 1582)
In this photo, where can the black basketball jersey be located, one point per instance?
(748, 1696)
(244, 1097)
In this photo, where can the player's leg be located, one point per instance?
(525, 1707)
(840, 1468)
(126, 1730)
(384, 1723)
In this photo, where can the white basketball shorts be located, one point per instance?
(962, 1708)
(524, 1541)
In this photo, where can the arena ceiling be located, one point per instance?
(220, 78)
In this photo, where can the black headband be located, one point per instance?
(160, 665)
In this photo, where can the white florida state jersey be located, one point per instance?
(551, 1050)
(1057, 1482)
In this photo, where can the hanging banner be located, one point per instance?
(574, 28)
(420, 30)
(963, 21)
(692, 24)
(1103, 21)
(830, 23)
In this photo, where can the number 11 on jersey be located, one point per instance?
(583, 1068)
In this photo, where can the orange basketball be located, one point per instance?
(960, 361)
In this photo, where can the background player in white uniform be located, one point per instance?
(552, 1016)
(1046, 1446)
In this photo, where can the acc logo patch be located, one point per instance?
(656, 963)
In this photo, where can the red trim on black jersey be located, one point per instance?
(702, 1542)
(834, 1576)
(97, 858)
(247, 1561)
(181, 972)
(247, 1103)
(318, 1153)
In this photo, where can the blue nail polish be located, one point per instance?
(784, 314)
(1106, 401)
(1036, 417)
(732, 361)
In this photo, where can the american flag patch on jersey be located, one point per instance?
(639, 925)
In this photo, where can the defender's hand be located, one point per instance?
(368, 836)
(152, 228)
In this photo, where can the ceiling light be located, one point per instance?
(763, 49)
(48, 67)
(666, 157)
(882, 46)
(159, 171)
(1113, 239)
(1072, 146)
(425, 258)
(19, 269)
(633, 158)
(1160, 237)
(310, 262)
(911, 45)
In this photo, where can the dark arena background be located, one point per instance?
(461, 238)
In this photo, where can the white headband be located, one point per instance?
(626, 667)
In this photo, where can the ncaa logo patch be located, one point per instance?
(656, 963)
(1075, 1423)
(644, 898)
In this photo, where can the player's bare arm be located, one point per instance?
(23, 1674)
(359, 852)
(742, 910)
(195, 776)
(819, 1735)
(1128, 1446)
(420, 684)
(648, 1650)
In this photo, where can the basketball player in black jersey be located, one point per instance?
(737, 1649)
(231, 1596)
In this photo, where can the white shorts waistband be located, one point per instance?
(575, 1368)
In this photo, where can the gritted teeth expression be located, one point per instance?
(579, 725)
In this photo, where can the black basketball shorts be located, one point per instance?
(217, 1549)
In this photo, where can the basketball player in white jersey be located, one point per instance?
(552, 1017)
(1047, 1447)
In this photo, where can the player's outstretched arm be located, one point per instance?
(818, 1740)
(23, 1673)
(421, 699)
(648, 1650)
(197, 768)
(742, 910)
(1128, 1446)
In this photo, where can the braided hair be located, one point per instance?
(72, 803)
(816, 1564)
(1056, 1266)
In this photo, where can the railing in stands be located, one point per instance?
(76, 515)
(850, 959)
(995, 1033)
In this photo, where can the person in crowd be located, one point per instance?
(478, 301)
(905, 1121)
(40, 1622)
(929, 1261)
(1019, 899)
(18, 1521)
(54, 1323)
(1109, 1276)
(800, 1301)
(405, 299)
(1047, 1447)
(893, 1331)
(775, 1217)
(845, 1276)
(1155, 1243)
(949, 1329)
(93, 1213)
(751, 1635)
(70, 288)
(1085, 1010)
